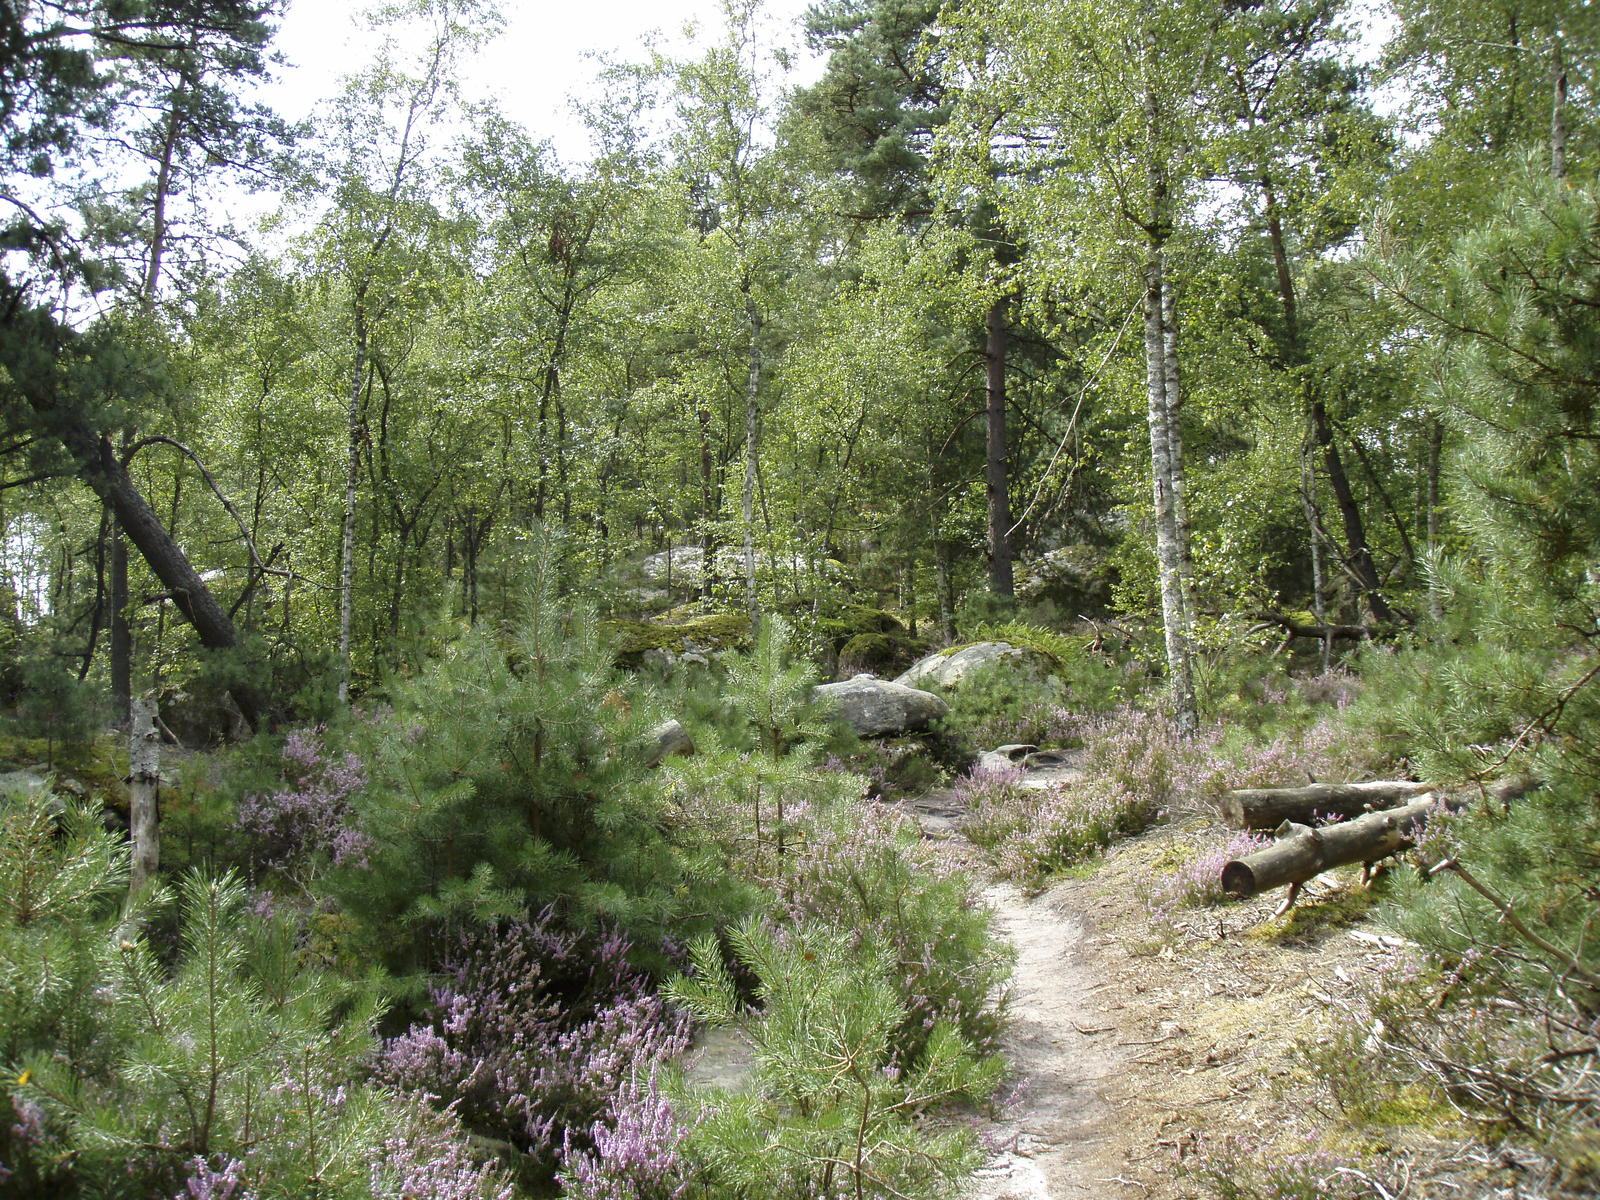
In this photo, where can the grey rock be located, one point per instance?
(873, 706)
(1004, 757)
(20, 783)
(671, 738)
(687, 562)
(951, 669)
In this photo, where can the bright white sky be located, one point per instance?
(532, 68)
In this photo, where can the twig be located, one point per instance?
(1511, 919)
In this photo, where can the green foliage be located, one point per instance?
(830, 1108)
(1001, 704)
(511, 775)
(128, 1075)
(56, 705)
(864, 871)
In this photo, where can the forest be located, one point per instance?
(446, 623)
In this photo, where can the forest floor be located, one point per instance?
(1128, 1049)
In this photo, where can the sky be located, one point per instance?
(531, 69)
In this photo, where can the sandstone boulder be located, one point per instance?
(950, 668)
(873, 706)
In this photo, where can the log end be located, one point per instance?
(1232, 810)
(1238, 879)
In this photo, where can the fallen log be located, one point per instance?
(1294, 629)
(1268, 808)
(1305, 853)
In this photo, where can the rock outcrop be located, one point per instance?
(951, 668)
(873, 707)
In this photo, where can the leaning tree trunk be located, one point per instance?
(102, 470)
(1000, 577)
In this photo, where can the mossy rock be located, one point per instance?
(855, 620)
(711, 634)
(94, 770)
(884, 654)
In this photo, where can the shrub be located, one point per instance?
(1001, 704)
(310, 823)
(831, 1110)
(637, 1150)
(1197, 881)
(1233, 1168)
(862, 870)
(533, 1032)
(229, 1069)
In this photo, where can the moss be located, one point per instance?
(1306, 920)
(716, 631)
(881, 653)
(1414, 1105)
(1057, 648)
(855, 620)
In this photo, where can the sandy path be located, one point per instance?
(1058, 1050)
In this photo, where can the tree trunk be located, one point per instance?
(1306, 854)
(347, 563)
(1558, 112)
(708, 539)
(1268, 808)
(1308, 501)
(1169, 341)
(144, 778)
(1169, 533)
(1359, 559)
(1000, 579)
(121, 630)
(752, 415)
(1435, 449)
(102, 470)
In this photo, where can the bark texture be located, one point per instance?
(1306, 854)
(1170, 552)
(1268, 808)
(752, 431)
(1000, 577)
(144, 777)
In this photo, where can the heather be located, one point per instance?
(1138, 769)
(530, 1034)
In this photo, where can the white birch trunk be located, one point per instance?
(347, 567)
(1169, 543)
(1169, 340)
(752, 415)
(144, 777)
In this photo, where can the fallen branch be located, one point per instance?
(1268, 808)
(1509, 916)
(1294, 629)
(1306, 853)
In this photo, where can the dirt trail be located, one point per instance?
(1057, 1049)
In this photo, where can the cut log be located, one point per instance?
(1306, 853)
(1267, 808)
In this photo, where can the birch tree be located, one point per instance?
(377, 179)
(1092, 110)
